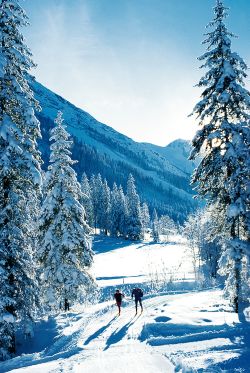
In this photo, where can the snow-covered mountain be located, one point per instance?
(162, 174)
(177, 152)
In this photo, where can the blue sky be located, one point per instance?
(130, 63)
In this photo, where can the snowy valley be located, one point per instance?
(162, 174)
(182, 328)
(94, 224)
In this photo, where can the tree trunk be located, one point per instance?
(237, 268)
(237, 288)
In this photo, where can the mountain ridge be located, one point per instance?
(160, 180)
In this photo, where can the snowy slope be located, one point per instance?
(178, 152)
(161, 179)
(178, 331)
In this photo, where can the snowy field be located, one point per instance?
(122, 262)
(180, 330)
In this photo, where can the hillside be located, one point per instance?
(177, 152)
(162, 174)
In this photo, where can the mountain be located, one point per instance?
(162, 174)
(177, 152)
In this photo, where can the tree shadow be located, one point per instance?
(100, 246)
(241, 344)
(117, 278)
(118, 335)
(98, 332)
(45, 332)
(57, 347)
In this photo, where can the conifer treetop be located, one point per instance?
(224, 98)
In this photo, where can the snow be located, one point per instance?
(126, 262)
(8, 318)
(178, 331)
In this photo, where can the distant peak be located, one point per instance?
(179, 143)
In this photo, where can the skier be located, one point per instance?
(66, 305)
(118, 297)
(138, 294)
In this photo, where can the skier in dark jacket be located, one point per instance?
(118, 297)
(138, 294)
(66, 304)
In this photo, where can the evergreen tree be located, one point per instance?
(96, 186)
(104, 207)
(145, 218)
(122, 212)
(155, 227)
(65, 251)
(134, 222)
(114, 212)
(86, 200)
(20, 177)
(118, 212)
(224, 142)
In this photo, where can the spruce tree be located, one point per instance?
(96, 187)
(65, 253)
(145, 218)
(104, 207)
(114, 212)
(155, 227)
(86, 200)
(20, 177)
(122, 212)
(134, 222)
(223, 142)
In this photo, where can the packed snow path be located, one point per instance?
(97, 340)
(181, 330)
(112, 344)
(188, 332)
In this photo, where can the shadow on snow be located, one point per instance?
(118, 335)
(103, 244)
(98, 332)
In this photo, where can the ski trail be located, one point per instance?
(111, 344)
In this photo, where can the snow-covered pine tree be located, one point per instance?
(223, 142)
(86, 200)
(65, 248)
(104, 207)
(155, 227)
(118, 212)
(122, 212)
(134, 221)
(96, 186)
(114, 212)
(145, 218)
(94, 198)
(20, 177)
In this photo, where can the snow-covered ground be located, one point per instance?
(179, 330)
(122, 262)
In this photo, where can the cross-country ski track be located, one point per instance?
(181, 329)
